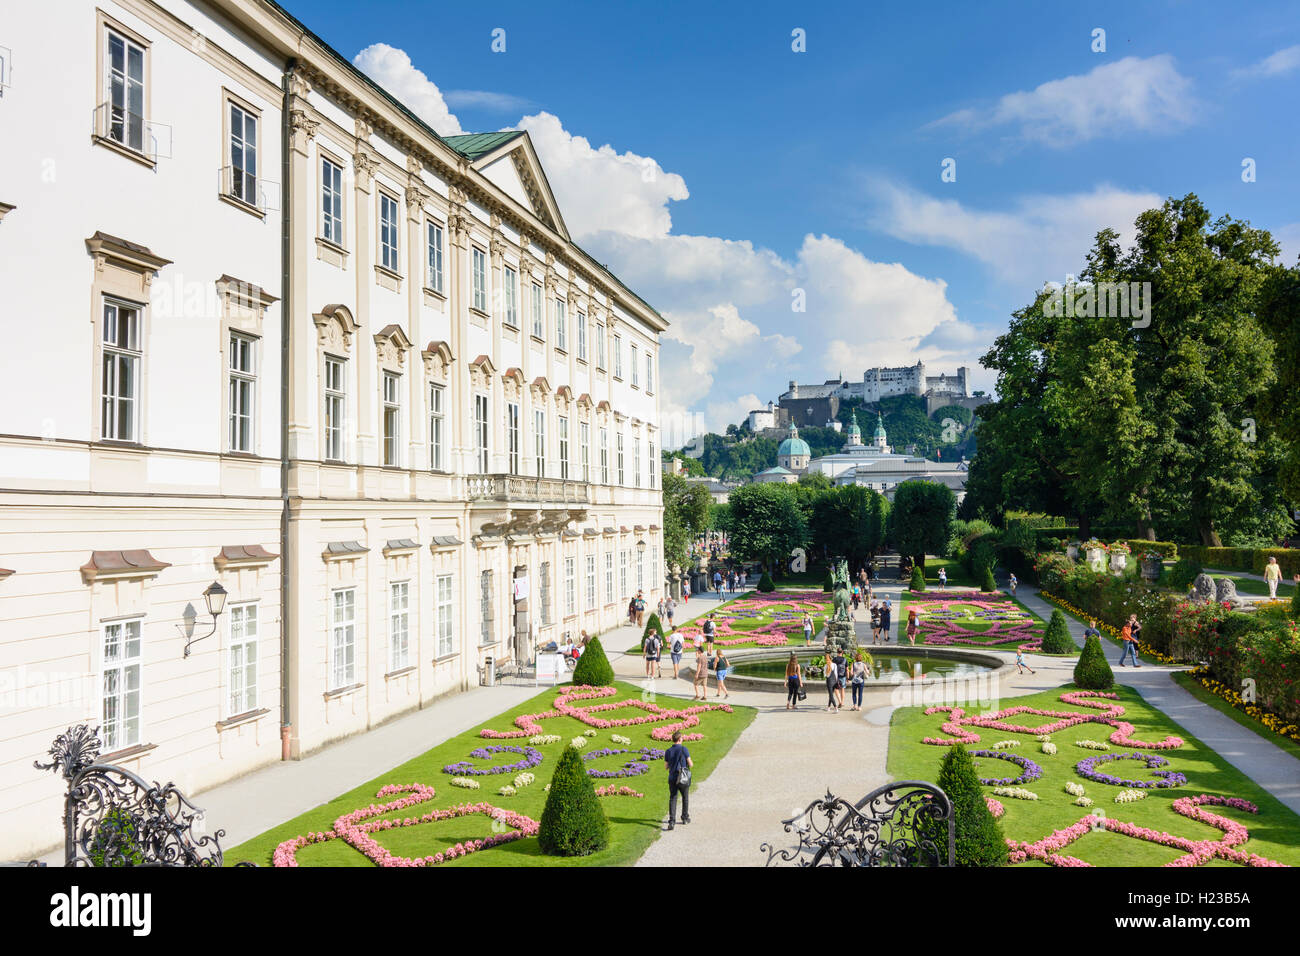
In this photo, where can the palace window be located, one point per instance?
(564, 447)
(539, 319)
(511, 281)
(600, 346)
(592, 599)
(335, 407)
(392, 418)
(331, 201)
(444, 599)
(561, 337)
(512, 434)
(243, 390)
(478, 275)
(634, 370)
(121, 701)
(487, 633)
(636, 460)
(544, 590)
(539, 441)
(618, 356)
(620, 459)
(481, 433)
(584, 449)
(649, 373)
(124, 122)
(609, 577)
(437, 425)
(570, 587)
(622, 572)
(242, 181)
(122, 358)
(388, 227)
(652, 468)
(241, 683)
(435, 256)
(604, 456)
(399, 616)
(343, 638)
(582, 337)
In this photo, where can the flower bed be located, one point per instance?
(355, 828)
(1270, 721)
(771, 619)
(683, 718)
(464, 768)
(1030, 770)
(1087, 768)
(633, 768)
(976, 619)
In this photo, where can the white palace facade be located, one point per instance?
(269, 330)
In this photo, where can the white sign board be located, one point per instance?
(549, 668)
(521, 589)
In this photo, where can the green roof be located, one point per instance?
(475, 145)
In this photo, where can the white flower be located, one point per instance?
(1048, 747)
(1074, 789)
(538, 740)
(1092, 744)
(1044, 738)
(1020, 793)
(507, 791)
(524, 779)
(465, 782)
(579, 742)
(620, 739)
(1130, 796)
(590, 733)
(1005, 745)
(1083, 802)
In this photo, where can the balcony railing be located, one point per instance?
(524, 488)
(132, 131)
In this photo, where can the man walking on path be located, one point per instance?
(1128, 646)
(679, 763)
(885, 613)
(1273, 576)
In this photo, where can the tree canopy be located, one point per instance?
(766, 523)
(921, 519)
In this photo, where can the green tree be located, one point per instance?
(1092, 671)
(573, 821)
(686, 514)
(593, 669)
(766, 523)
(849, 521)
(979, 840)
(921, 519)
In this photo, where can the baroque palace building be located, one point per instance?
(291, 341)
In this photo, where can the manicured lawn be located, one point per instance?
(956, 573)
(1257, 588)
(759, 620)
(992, 620)
(1193, 687)
(1274, 831)
(635, 822)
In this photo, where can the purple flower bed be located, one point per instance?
(1031, 770)
(531, 759)
(634, 767)
(1168, 778)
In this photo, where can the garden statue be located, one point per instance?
(1225, 589)
(839, 630)
(1203, 588)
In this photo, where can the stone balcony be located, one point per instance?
(522, 488)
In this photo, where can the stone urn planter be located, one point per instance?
(1118, 562)
(1097, 559)
(1151, 568)
(1072, 550)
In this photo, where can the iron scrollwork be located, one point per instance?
(908, 823)
(114, 818)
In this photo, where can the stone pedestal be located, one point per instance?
(841, 634)
(1118, 562)
(1072, 550)
(1151, 568)
(1097, 559)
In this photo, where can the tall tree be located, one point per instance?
(766, 523)
(686, 514)
(921, 518)
(849, 521)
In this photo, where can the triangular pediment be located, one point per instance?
(511, 163)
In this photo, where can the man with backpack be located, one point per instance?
(675, 646)
(679, 763)
(652, 648)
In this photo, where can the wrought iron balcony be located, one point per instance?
(524, 488)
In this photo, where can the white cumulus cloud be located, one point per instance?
(392, 69)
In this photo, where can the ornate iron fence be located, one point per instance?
(114, 818)
(908, 823)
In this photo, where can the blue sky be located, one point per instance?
(717, 171)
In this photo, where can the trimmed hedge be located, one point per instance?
(987, 584)
(1111, 599)
(918, 579)
(1056, 639)
(979, 839)
(1141, 546)
(573, 822)
(1244, 559)
(1093, 670)
(828, 583)
(593, 666)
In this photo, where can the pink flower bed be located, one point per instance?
(1196, 852)
(939, 632)
(683, 717)
(995, 807)
(958, 721)
(789, 605)
(355, 828)
(613, 790)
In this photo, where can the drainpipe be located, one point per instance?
(286, 312)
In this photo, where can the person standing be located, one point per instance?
(723, 665)
(1127, 646)
(875, 622)
(913, 626)
(717, 582)
(841, 676)
(1272, 577)
(1091, 631)
(651, 651)
(710, 629)
(807, 629)
(675, 651)
(679, 763)
(686, 590)
(885, 622)
(1135, 628)
(631, 611)
(639, 604)
(1013, 582)
(1021, 664)
(858, 680)
(670, 609)
(943, 578)
(857, 596)
(832, 682)
(701, 672)
(793, 682)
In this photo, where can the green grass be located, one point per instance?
(1193, 687)
(1258, 588)
(975, 624)
(956, 573)
(1274, 832)
(634, 822)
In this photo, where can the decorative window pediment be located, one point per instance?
(513, 382)
(243, 556)
(343, 551)
(541, 388)
(481, 371)
(336, 326)
(391, 346)
(243, 304)
(437, 360)
(134, 265)
(121, 566)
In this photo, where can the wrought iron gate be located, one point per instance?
(114, 818)
(908, 823)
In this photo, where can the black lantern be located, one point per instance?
(215, 599)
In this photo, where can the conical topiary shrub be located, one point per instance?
(652, 625)
(765, 583)
(979, 837)
(828, 583)
(918, 579)
(1056, 639)
(573, 822)
(986, 581)
(1093, 670)
(593, 666)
